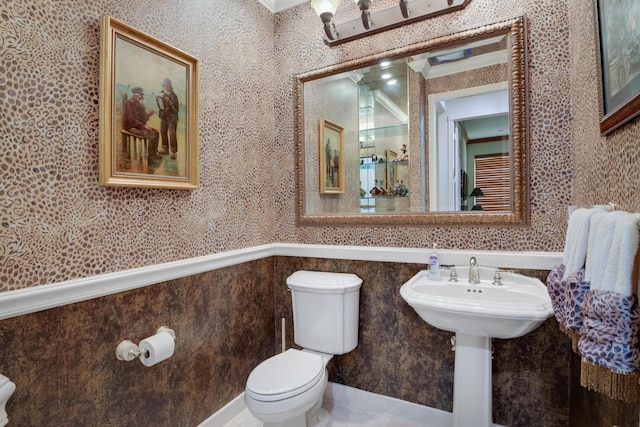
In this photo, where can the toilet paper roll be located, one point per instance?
(156, 348)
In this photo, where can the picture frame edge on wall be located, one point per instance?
(110, 124)
(615, 111)
(341, 187)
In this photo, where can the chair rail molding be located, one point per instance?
(37, 298)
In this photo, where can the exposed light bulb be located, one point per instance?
(325, 10)
(325, 6)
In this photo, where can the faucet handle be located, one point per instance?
(453, 275)
(497, 279)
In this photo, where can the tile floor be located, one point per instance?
(347, 407)
(340, 417)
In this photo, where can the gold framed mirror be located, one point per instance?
(427, 182)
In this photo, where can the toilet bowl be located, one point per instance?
(287, 389)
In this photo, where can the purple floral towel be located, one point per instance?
(567, 297)
(566, 283)
(557, 289)
(610, 336)
(577, 289)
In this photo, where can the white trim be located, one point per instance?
(390, 106)
(276, 6)
(505, 259)
(30, 300)
(226, 414)
(37, 298)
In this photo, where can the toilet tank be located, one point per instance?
(325, 310)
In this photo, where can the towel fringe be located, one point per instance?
(575, 337)
(615, 385)
(572, 334)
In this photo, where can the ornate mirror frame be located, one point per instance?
(516, 28)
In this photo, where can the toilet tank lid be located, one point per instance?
(324, 282)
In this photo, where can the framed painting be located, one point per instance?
(619, 50)
(148, 111)
(332, 176)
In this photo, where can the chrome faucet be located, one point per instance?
(474, 274)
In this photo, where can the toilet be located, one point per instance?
(286, 390)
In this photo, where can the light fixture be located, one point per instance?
(477, 192)
(325, 10)
(375, 22)
(366, 15)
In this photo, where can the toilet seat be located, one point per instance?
(285, 375)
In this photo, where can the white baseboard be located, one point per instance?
(225, 414)
(356, 400)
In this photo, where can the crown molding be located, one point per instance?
(276, 6)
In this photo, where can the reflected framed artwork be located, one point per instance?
(332, 174)
(148, 111)
(618, 26)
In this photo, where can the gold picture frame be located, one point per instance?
(332, 173)
(619, 82)
(148, 111)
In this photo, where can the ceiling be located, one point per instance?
(378, 76)
(487, 127)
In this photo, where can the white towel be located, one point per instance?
(619, 269)
(599, 255)
(576, 242)
(598, 249)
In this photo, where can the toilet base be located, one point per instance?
(319, 418)
(299, 421)
(306, 408)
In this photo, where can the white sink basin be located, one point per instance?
(514, 309)
(477, 313)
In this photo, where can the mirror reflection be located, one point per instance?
(425, 131)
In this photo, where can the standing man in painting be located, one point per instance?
(169, 106)
(135, 121)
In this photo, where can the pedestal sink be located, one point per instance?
(477, 313)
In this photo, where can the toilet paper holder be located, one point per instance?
(127, 350)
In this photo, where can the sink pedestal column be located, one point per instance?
(472, 382)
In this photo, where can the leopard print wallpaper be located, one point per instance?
(59, 224)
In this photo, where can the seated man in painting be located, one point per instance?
(135, 121)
